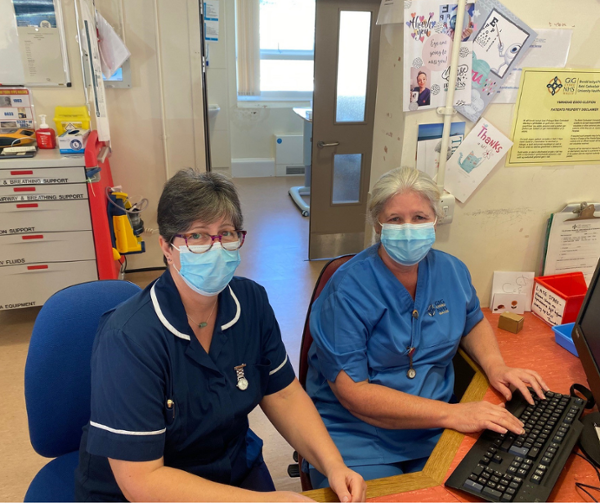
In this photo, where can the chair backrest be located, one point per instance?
(331, 266)
(57, 371)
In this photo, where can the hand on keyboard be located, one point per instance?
(502, 377)
(471, 417)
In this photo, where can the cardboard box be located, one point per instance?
(511, 322)
(73, 141)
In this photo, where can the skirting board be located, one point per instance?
(248, 168)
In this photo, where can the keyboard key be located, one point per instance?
(539, 473)
(493, 450)
(486, 475)
(473, 486)
(504, 482)
(528, 445)
(554, 445)
(518, 451)
(546, 460)
(508, 476)
(528, 462)
(533, 453)
(484, 460)
(506, 497)
(482, 481)
(489, 469)
(511, 491)
(473, 477)
(514, 485)
(501, 488)
(536, 479)
(478, 469)
(521, 472)
(539, 445)
(495, 479)
(492, 484)
(511, 470)
(497, 459)
(557, 439)
(491, 492)
(518, 480)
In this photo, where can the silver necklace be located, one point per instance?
(204, 323)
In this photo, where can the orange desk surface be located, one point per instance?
(533, 347)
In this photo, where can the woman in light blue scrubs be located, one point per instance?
(386, 328)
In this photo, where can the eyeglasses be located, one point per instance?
(198, 242)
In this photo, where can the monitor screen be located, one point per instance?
(590, 320)
(586, 334)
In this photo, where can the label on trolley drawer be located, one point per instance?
(33, 181)
(12, 261)
(40, 197)
(17, 230)
(18, 305)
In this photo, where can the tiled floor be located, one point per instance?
(274, 255)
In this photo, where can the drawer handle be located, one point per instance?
(36, 267)
(24, 189)
(36, 236)
(15, 173)
(29, 205)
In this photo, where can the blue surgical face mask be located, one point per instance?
(208, 273)
(408, 244)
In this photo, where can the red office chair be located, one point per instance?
(332, 266)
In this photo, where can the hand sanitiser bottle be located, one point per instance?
(45, 135)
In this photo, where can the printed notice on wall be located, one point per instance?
(547, 305)
(557, 118)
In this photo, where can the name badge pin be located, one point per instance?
(242, 382)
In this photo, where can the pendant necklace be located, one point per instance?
(204, 323)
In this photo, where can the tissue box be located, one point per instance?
(511, 322)
(73, 141)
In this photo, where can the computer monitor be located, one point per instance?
(586, 334)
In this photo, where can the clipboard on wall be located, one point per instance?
(573, 240)
(33, 51)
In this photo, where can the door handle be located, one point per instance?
(322, 144)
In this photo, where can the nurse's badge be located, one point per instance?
(242, 382)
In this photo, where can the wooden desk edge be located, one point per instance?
(439, 462)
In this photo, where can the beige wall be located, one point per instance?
(157, 125)
(502, 226)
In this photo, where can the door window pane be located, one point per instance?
(346, 178)
(353, 64)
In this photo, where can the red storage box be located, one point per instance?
(558, 298)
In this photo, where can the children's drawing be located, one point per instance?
(499, 41)
(428, 30)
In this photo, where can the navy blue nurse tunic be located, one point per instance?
(156, 392)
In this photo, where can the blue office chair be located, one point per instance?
(57, 380)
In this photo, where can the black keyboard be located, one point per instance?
(510, 467)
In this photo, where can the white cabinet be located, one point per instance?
(46, 240)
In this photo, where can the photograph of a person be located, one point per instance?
(420, 93)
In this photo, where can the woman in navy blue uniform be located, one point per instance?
(386, 328)
(177, 369)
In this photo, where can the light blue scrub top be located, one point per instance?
(363, 322)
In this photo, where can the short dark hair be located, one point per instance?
(421, 73)
(190, 196)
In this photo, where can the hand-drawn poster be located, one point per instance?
(500, 40)
(429, 26)
(476, 156)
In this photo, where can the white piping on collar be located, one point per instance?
(237, 313)
(176, 332)
(162, 318)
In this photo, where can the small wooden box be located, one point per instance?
(511, 322)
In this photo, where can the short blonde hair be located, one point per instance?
(401, 180)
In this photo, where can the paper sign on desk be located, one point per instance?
(512, 283)
(476, 156)
(547, 305)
